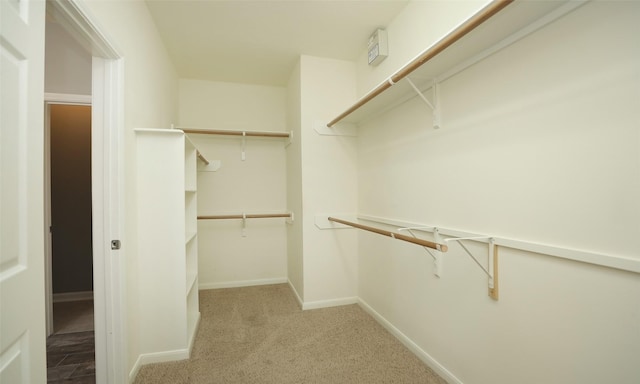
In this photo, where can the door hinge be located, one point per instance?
(115, 244)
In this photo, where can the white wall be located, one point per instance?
(67, 63)
(295, 265)
(539, 142)
(416, 28)
(329, 183)
(256, 185)
(150, 100)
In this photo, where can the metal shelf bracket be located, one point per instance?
(437, 255)
(435, 106)
(289, 140)
(244, 144)
(244, 224)
(491, 270)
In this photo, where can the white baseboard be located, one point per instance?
(72, 296)
(329, 303)
(321, 303)
(159, 357)
(295, 292)
(242, 283)
(413, 347)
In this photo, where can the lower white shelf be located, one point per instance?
(191, 282)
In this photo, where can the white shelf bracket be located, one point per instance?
(436, 111)
(459, 241)
(437, 263)
(213, 166)
(490, 271)
(340, 129)
(435, 106)
(493, 268)
(244, 224)
(290, 219)
(244, 143)
(289, 140)
(490, 263)
(437, 255)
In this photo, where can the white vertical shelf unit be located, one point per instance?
(191, 238)
(167, 267)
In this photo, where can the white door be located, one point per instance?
(22, 319)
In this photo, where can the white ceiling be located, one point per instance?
(258, 42)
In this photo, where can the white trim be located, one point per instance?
(107, 185)
(329, 303)
(100, 214)
(48, 243)
(166, 356)
(157, 357)
(411, 345)
(74, 15)
(295, 292)
(242, 283)
(108, 123)
(66, 98)
(321, 303)
(72, 296)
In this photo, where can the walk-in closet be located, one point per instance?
(349, 192)
(449, 194)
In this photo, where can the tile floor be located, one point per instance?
(71, 349)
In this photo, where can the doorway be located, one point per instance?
(70, 167)
(71, 343)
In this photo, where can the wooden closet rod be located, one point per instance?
(247, 216)
(235, 133)
(424, 243)
(471, 24)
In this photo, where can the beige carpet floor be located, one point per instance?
(260, 335)
(73, 316)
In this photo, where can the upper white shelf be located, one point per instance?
(494, 27)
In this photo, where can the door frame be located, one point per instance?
(107, 126)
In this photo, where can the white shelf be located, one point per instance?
(467, 45)
(191, 261)
(167, 240)
(191, 282)
(191, 213)
(190, 158)
(190, 237)
(193, 313)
